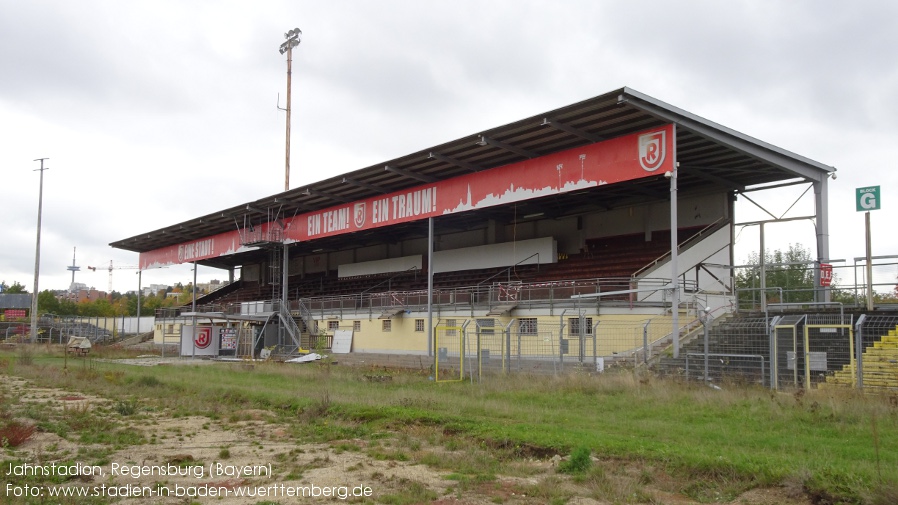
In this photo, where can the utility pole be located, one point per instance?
(37, 254)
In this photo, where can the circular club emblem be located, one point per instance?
(203, 338)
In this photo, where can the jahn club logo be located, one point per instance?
(203, 337)
(359, 214)
(652, 150)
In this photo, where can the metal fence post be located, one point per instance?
(595, 351)
(507, 356)
(859, 350)
(645, 341)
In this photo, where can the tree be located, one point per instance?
(67, 308)
(15, 289)
(792, 270)
(47, 302)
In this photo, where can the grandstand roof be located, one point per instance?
(712, 158)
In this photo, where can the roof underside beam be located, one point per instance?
(372, 187)
(706, 174)
(573, 131)
(484, 140)
(412, 175)
(453, 161)
(292, 203)
(315, 192)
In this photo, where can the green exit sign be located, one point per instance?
(867, 198)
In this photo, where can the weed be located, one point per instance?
(148, 381)
(26, 355)
(412, 492)
(126, 407)
(884, 494)
(579, 462)
(550, 490)
(114, 376)
(224, 453)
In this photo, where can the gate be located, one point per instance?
(829, 347)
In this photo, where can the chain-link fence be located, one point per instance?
(532, 345)
(875, 352)
(730, 349)
(808, 349)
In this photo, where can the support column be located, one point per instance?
(821, 206)
(674, 250)
(430, 287)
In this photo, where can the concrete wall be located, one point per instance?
(496, 255)
(380, 266)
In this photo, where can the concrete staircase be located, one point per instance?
(879, 364)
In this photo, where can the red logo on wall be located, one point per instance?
(203, 337)
(652, 150)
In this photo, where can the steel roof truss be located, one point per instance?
(453, 161)
(573, 131)
(484, 140)
(325, 194)
(412, 175)
(705, 173)
(371, 187)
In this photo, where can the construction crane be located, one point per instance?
(111, 268)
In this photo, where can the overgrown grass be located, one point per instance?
(839, 445)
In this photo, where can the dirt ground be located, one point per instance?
(255, 455)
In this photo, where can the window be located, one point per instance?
(356, 326)
(333, 325)
(170, 329)
(573, 325)
(485, 326)
(387, 325)
(527, 325)
(419, 325)
(451, 331)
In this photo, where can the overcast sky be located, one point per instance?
(155, 112)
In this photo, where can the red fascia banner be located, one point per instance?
(630, 157)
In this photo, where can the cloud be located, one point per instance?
(154, 112)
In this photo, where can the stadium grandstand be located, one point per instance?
(519, 245)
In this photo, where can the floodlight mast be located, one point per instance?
(37, 252)
(287, 47)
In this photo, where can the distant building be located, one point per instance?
(154, 289)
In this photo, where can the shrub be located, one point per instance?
(14, 433)
(579, 462)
